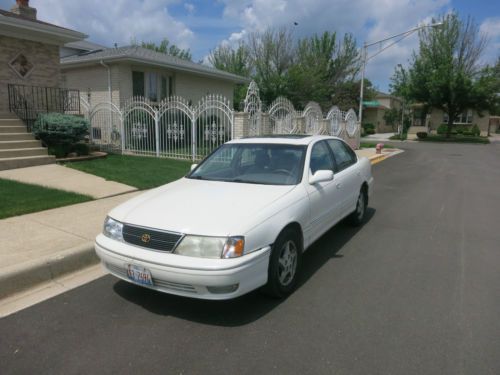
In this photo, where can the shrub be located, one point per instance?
(475, 131)
(422, 135)
(59, 131)
(81, 149)
(442, 129)
(370, 131)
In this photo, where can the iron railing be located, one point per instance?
(27, 102)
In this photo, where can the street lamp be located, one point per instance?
(364, 56)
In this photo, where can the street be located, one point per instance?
(416, 290)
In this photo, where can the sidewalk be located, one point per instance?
(69, 179)
(40, 246)
(375, 158)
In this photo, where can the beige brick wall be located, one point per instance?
(436, 119)
(44, 57)
(193, 87)
(93, 80)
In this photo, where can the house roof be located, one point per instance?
(17, 26)
(382, 95)
(85, 45)
(146, 56)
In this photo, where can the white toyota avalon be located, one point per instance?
(240, 220)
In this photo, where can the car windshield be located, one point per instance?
(269, 164)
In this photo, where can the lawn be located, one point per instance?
(19, 198)
(142, 172)
(370, 144)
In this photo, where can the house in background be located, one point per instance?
(79, 48)
(374, 111)
(117, 74)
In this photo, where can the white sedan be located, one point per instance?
(240, 220)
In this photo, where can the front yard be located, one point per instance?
(141, 172)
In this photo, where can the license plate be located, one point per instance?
(140, 275)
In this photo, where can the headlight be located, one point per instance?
(113, 229)
(211, 247)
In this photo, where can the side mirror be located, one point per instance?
(321, 176)
(193, 166)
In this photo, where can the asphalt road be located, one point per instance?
(414, 291)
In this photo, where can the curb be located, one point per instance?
(374, 159)
(21, 277)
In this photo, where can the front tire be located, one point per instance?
(357, 218)
(284, 264)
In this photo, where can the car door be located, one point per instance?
(323, 196)
(347, 175)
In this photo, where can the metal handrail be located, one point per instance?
(27, 102)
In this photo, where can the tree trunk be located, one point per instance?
(450, 125)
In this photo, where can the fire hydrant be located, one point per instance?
(378, 148)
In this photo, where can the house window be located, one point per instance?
(463, 118)
(153, 86)
(138, 83)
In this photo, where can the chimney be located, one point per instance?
(23, 9)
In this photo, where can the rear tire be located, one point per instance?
(284, 265)
(357, 217)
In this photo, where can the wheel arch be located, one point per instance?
(297, 228)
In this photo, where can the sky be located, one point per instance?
(201, 25)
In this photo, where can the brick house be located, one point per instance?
(29, 49)
(117, 74)
(374, 111)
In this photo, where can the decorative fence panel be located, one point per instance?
(253, 106)
(281, 115)
(312, 115)
(171, 128)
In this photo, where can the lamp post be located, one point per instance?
(365, 58)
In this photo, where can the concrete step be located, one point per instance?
(12, 129)
(8, 115)
(9, 145)
(16, 137)
(23, 162)
(11, 122)
(23, 152)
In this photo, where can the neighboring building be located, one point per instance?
(29, 50)
(79, 48)
(117, 74)
(432, 119)
(374, 111)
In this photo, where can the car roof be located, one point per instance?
(289, 139)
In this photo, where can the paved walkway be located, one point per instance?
(377, 137)
(37, 240)
(69, 179)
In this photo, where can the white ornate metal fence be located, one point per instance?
(175, 129)
(171, 128)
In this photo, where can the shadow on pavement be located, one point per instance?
(245, 309)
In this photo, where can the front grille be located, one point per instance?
(169, 285)
(150, 238)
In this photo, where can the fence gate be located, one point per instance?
(253, 106)
(335, 120)
(106, 126)
(281, 114)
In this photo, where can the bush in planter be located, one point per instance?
(422, 135)
(59, 132)
(442, 129)
(81, 149)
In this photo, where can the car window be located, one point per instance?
(343, 154)
(321, 158)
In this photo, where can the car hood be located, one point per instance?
(202, 207)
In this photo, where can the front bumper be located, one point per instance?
(187, 276)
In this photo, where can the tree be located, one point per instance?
(234, 61)
(166, 48)
(443, 74)
(346, 94)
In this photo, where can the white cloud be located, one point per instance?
(189, 7)
(117, 21)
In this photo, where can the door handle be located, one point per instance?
(338, 186)
(358, 173)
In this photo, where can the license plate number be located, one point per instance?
(140, 275)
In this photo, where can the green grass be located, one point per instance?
(142, 172)
(454, 139)
(19, 198)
